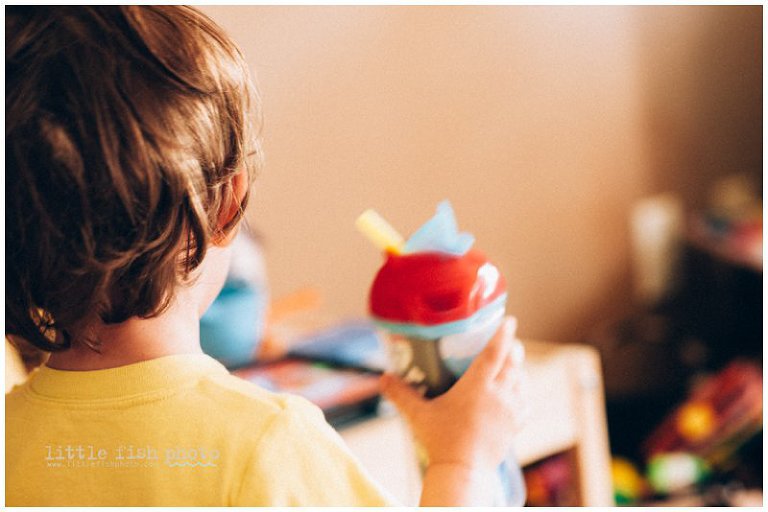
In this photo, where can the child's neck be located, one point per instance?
(175, 331)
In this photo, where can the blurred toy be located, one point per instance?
(656, 233)
(628, 484)
(720, 416)
(695, 421)
(732, 224)
(674, 472)
(232, 328)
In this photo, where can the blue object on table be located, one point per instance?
(232, 327)
(354, 344)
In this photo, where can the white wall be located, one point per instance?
(541, 124)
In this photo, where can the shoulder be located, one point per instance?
(236, 394)
(292, 456)
(300, 460)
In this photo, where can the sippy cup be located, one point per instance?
(437, 303)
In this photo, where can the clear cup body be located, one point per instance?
(432, 366)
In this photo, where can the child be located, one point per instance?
(129, 156)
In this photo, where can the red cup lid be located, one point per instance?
(430, 288)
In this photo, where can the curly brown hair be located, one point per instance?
(124, 127)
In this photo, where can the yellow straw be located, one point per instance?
(378, 231)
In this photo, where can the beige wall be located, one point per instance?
(541, 124)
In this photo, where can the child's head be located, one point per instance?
(124, 129)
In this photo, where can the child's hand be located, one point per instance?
(472, 424)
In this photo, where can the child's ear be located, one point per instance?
(230, 206)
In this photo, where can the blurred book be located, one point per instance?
(343, 394)
(551, 482)
(353, 344)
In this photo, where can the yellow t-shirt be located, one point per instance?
(173, 431)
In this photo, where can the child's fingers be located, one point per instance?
(406, 399)
(507, 371)
(490, 361)
(518, 393)
(513, 363)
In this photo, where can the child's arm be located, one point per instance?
(467, 431)
(455, 485)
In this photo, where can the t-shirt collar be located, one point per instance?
(165, 373)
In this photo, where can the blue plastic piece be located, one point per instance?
(436, 331)
(440, 234)
(232, 327)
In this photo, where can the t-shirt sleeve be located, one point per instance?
(300, 460)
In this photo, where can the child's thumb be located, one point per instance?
(405, 398)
